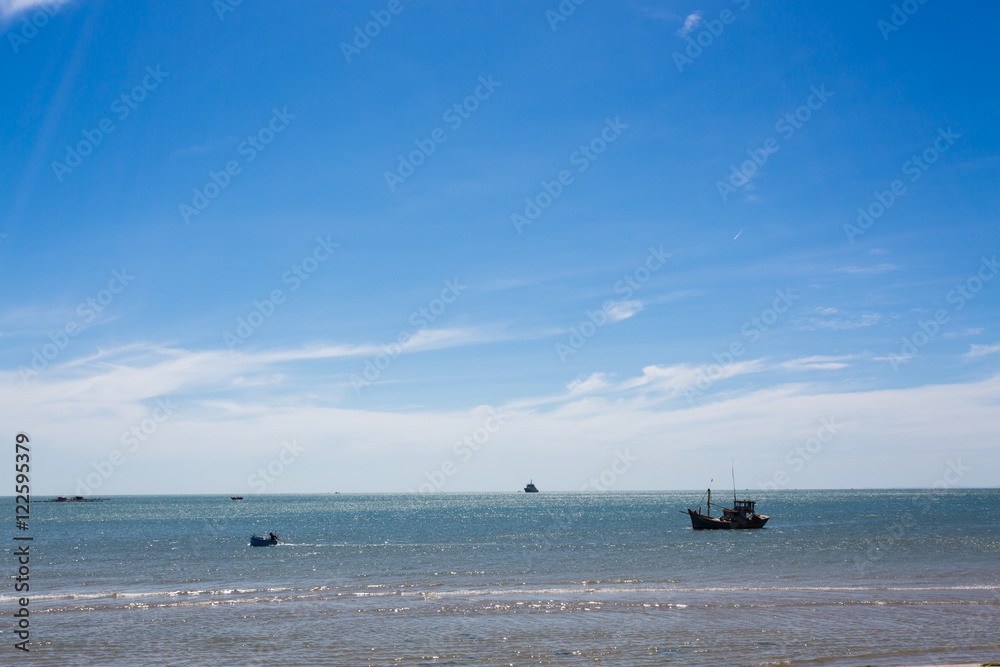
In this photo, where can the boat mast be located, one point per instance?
(709, 509)
(733, 463)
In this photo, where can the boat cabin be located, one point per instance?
(744, 506)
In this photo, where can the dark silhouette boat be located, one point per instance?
(236, 497)
(531, 488)
(741, 515)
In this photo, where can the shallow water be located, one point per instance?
(836, 578)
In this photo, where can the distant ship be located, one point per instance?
(531, 488)
(74, 499)
(742, 515)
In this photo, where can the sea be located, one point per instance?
(873, 577)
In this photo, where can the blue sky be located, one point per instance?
(635, 230)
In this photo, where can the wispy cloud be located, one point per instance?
(690, 23)
(81, 410)
(11, 7)
(982, 350)
(836, 320)
(968, 331)
(596, 382)
(817, 362)
(866, 270)
(672, 380)
(622, 310)
(656, 383)
(144, 371)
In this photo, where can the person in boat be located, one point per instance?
(272, 537)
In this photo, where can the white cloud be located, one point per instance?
(596, 382)
(425, 339)
(690, 23)
(622, 310)
(866, 270)
(982, 350)
(817, 363)
(222, 431)
(12, 7)
(142, 371)
(671, 381)
(968, 331)
(845, 323)
(562, 443)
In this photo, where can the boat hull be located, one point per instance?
(702, 522)
(261, 542)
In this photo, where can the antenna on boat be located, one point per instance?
(733, 463)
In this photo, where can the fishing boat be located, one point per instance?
(269, 541)
(236, 497)
(531, 488)
(741, 515)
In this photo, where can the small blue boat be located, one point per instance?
(269, 541)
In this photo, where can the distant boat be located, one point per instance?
(269, 541)
(236, 497)
(74, 499)
(531, 488)
(741, 515)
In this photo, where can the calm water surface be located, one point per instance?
(837, 578)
